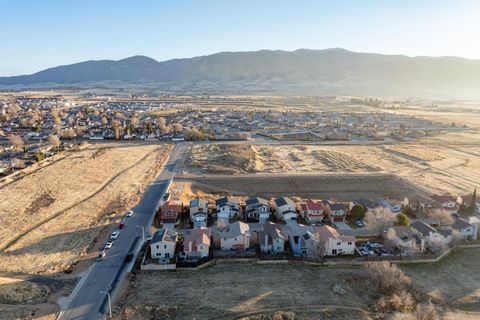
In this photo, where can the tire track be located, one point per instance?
(16, 238)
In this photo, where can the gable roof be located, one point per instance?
(226, 200)
(423, 228)
(461, 224)
(172, 206)
(198, 202)
(257, 200)
(234, 229)
(443, 198)
(326, 233)
(367, 203)
(164, 235)
(283, 201)
(197, 236)
(337, 206)
(313, 205)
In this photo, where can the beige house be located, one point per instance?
(196, 243)
(235, 236)
(333, 244)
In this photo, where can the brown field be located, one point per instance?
(251, 291)
(434, 164)
(50, 217)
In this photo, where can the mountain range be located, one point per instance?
(308, 72)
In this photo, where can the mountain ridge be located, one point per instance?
(303, 71)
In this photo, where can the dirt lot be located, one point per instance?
(344, 187)
(435, 165)
(49, 218)
(250, 291)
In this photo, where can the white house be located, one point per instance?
(196, 243)
(332, 243)
(163, 244)
(271, 239)
(285, 209)
(431, 235)
(475, 222)
(227, 208)
(465, 229)
(235, 236)
(257, 210)
(199, 212)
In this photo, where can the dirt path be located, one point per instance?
(57, 214)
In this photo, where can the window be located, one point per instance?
(339, 243)
(158, 254)
(349, 243)
(158, 247)
(165, 246)
(167, 255)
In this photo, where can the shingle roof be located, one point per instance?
(283, 201)
(234, 229)
(461, 224)
(255, 200)
(337, 206)
(225, 200)
(423, 228)
(164, 235)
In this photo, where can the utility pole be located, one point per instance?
(109, 302)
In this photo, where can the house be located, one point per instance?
(465, 229)
(163, 244)
(285, 209)
(312, 211)
(196, 243)
(432, 235)
(331, 243)
(446, 201)
(170, 211)
(467, 201)
(235, 236)
(303, 241)
(227, 208)
(338, 211)
(367, 203)
(393, 206)
(407, 240)
(271, 238)
(257, 209)
(419, 204)
(199, 212)
(475, 222)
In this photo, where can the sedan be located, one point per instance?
(115, 235)
(130, 213)
(109, 244)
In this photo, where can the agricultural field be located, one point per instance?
(233, 291)
(54, 215)
(436, 165)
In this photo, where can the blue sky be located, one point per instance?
(37, 34)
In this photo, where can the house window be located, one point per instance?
(167, 255)
(158, 254)
(349, 243)
(158, 247)
(235, 239)
(165, 246)
(339, 243)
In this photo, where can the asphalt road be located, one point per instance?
(87, 302)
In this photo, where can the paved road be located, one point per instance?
(88, 300)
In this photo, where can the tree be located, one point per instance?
(16, 141)
(386, 278)
(161, 121)
(39, 156)
(54, 141)
(104, 121)
(442, 215)
(379, 219)
(149, 126)
(358, 212)
(177, 128)
(133, 123)
(402, 220)
(18, 163)
(473, 205)
(116, 128)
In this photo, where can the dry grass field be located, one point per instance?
(233, 291)
(49, 218)
(434, 164)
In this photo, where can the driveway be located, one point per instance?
(342, 226)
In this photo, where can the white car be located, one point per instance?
(114, 235)
(109, 244)
(100, 256)
(130, 213)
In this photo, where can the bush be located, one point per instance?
(402, 220)
(39, 156)
(358, 212)
(386, 278)
(426, 311)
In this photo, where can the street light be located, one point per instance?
(143, 232)
(109, 302)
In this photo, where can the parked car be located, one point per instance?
(114, 235)
(359, 223)
(129, 257)
(130, 213)
(100, 256)
(108, 245)
(121, 225)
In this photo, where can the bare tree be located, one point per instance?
(54, 141)
(188, 134)
(197, 134)
(165, 129)
(161, 121)
(379, 219)
(18, 163)
(116, 128)
(16, 141)
(386, 278)
(177, 128)
(442, 215)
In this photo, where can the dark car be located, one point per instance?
(129, 257)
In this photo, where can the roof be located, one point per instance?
(406, 233)
(197, 236)
(326, 233)
(225, 200)
(164, 235)
(313, 205)
(255, 200)
(283, 201)
(423, 228)
(198, 202)
(234, 229)
(443, 198)
(367, 203)
(172, 205)
(337, 206)
(461, 224)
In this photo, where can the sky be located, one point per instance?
(38, 34)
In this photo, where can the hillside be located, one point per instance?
(330, 71)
